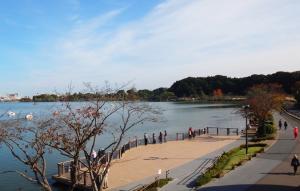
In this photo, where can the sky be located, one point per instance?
(47, 45)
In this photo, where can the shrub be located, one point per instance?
(204, 179)
(270, 129)
(267, 129)
(254, 145)
(158, 183)
(239, 163)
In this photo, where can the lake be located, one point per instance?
(178, 117)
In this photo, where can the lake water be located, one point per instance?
(177, 118)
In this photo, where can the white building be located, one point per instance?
(10, 97)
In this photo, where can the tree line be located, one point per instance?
(206, 86)
(200, 88)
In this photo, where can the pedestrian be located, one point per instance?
(280, 124)
(295, 163)
(165, 136)
(285, 125)
(94, 156)
(295, 132)
(190, 132)
(160, 137)
(146, 139)
(154, 139)
(101, 155)
(194, 133)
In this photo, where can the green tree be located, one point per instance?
(263, 99)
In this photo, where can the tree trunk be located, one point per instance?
(46, 187)
(74, 172)
(95, 181)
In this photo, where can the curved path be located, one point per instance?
(269, 171)
(140, 165)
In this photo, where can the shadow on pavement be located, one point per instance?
(245, 187)
(280, 173)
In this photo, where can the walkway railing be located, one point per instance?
(291, 114)
(64, 167)
(222, 130)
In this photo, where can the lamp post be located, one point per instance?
(246, 108)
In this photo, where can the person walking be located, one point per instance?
(279, 124)
(146, 139)
(160, 137)
(153, 138)
(190, 132)
(285, 125)
(295, 132)
(101, 154)
(295, 163)
(194, 133)
(94, 156)
(165, 136)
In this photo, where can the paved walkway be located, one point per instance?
(269, 171)
(184, 175)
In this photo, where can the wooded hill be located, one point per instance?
(200, 86)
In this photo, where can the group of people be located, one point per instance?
(162, 137)
(191, 133)
(295, 161)
(284, 124)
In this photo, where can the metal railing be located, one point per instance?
(65, 167)
(222, 131)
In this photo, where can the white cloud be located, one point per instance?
(179, 38)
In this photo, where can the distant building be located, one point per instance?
(10, 97)
(2, 98)
(13, 97)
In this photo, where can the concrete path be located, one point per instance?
(269, 171)
(282, 178)
(184, 175)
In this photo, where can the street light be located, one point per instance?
(246, 109)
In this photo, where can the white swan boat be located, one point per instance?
(29, 117)
(11, 114)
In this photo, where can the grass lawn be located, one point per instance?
(238, 157)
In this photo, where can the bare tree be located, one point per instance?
(26, 144)
(74, 129)
(130, 115)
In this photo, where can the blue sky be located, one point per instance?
(46, 45)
